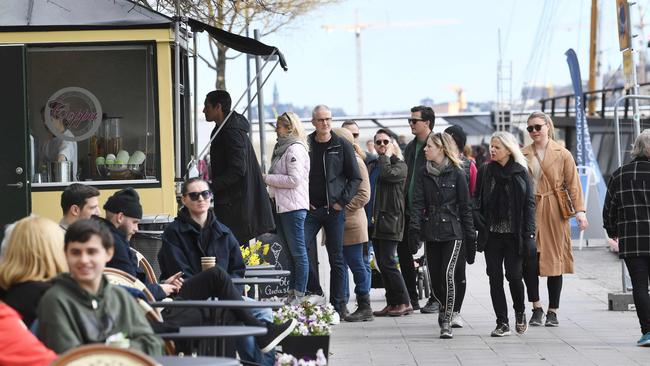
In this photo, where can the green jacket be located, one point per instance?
(69, 316)
(388, 207)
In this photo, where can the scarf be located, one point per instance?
(435, 169)
(281, 147)
(502, 197)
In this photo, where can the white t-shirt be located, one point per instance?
(58, 146)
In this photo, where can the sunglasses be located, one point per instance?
(415, 120)
(382, 142)
(535, 127)
(194, 196)
(355, 135)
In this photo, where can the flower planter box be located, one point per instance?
(306, 346)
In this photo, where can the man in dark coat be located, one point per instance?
(626, 217)
(241, 201)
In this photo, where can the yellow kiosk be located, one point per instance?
(89, 95)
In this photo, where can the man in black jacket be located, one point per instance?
(123, 213)
(334, 179)
(241, 201)
(422, 121)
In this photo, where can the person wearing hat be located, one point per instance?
(123, 213)
(460, 138)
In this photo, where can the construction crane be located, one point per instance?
(357, 27)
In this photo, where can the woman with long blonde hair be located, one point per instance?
(506, 223)
(34, 255)
(551, 168)
(441, 216)
(288, 181)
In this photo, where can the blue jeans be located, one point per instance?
(357, 261)
(291, 228)
(246, 346)
(332, 222)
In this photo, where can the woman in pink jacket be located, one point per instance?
(288, 180)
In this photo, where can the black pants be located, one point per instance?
(639, 268)
(406, 265)
(441, 263)
(385, 251)
(531, 278)
(502, 250)
(214, 282)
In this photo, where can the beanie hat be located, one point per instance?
(126, 201)
(458, 135)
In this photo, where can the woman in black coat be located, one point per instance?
(441, 216)
(505, 219)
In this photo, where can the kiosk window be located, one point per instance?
(92, 114)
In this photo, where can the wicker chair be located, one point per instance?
(102, 355)
(119, 277)
(146, 266)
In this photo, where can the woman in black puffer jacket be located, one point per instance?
(505, 217)
(442, 217)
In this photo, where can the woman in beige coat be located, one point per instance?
(355, 236)
(551, 167)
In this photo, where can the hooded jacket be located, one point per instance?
(69, 316)
(185, 242)
(125, 260)
(441, 209)
(241, 201)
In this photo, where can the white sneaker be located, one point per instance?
(317, 299)
(336, 319)
(456, 320)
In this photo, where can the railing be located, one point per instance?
(606, 105)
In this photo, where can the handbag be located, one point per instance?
(567, 209)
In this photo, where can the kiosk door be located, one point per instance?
(14, 169)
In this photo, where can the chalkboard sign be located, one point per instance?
(278, 255)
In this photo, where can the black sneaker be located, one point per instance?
(431, 307)
(501, 330)
(551, 319)
(275, 333)
(536, 318)
(520, 323)
(445, 331)
(415, 305)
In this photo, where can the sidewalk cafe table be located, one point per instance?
(214, 332)
(196, 361)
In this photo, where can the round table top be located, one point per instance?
(217, 304)
(265, 272)
(196, 361)
(214, 331)
(256, 281)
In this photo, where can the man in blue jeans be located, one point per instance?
(333, 180)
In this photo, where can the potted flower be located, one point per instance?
(254, 253)
(312, 332)
(285, 359)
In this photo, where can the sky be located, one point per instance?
(405, 64)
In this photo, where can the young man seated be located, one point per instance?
(78, 201)
(81, 307)
(123, 212)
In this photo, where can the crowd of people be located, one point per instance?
(514, 208)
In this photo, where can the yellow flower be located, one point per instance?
(265, 249)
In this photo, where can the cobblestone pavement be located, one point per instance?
(588, 334)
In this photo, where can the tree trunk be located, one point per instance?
(221, 68)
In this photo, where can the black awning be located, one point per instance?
(237, 42)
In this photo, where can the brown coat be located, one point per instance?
(553, 233)
(356, 221)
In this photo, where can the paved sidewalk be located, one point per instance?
(588, 334)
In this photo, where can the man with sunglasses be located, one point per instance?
(422, 121)
(334, 179)
(241, 201)
(386, 221)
